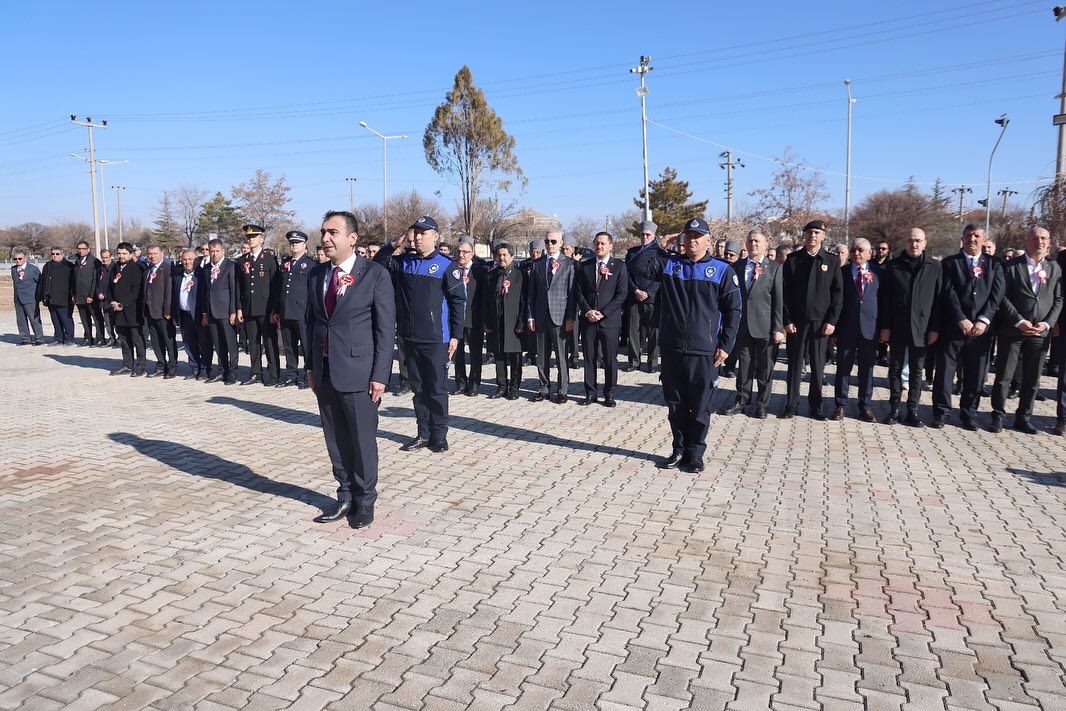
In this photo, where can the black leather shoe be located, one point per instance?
(694, 466)
(470, 391)
(734, 409)
(137, 372)
(169, 375)
(214, 379)
(229, 381)
(121, 371)
(997, 424)
(252, 379)
(913, 420)
(893, 417)
(343, 507)
(539, 397)
(287, 382)
(671, 462)
(1022, 424)
(496, 394)
(1060, 429)
(1012, 393)
(608, 401)
(787, 414)
(363, 517)
(457, 390)
(818, 415)
(192, 376)
(588, 400)
(416, 443)
(838, 414)
(867, 415)
(512, 394)
(968, 423)
(760, 413)
(155, 373)
(562, 399)
(438, 445)
(938, 422)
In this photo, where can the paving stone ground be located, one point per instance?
(157, 551)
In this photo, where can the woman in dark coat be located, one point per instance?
(504, 309)
(126, 306)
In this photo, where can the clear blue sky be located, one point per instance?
(204, 93)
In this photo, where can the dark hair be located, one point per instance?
(81, 242)
(350, 220)
(610, 237)
(215, 243)
(503, 245)
(124, 245)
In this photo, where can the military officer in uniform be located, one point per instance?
(257, 283)
(292, 306)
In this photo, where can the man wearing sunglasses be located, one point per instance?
(24, 279)
(56, 291)
(551, 304)
(644, 264)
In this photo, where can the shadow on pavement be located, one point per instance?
(523, 435)
(200, 463)
(289, 415)
(1042, 478)
(87, 361)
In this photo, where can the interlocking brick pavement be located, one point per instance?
(157, 551)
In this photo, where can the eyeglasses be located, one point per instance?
(882, 249)
(83, 249)
(20, 259)
(551, 241)
(730, 254)
(57, 254)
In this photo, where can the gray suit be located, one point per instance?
(1021, 303)
(27, 309)
(550, 307)
(347, 350)
(762, 317)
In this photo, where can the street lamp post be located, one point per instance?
(103, 201)
(1002, 122)
(642, 92)
(384, 176)
(88, 123)
(118, 198)
(847, 179)
(351, 191)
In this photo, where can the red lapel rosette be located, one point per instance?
(1041, 275)
(118, 275)
(605, 272)
(555, 265)
(247, 267)
(977, 272)
(215, 271)
(343, 282)
(867, 277)
(506, 286)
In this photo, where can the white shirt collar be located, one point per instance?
(348, 264)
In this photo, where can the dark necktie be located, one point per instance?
(331, 292)
(860, 285)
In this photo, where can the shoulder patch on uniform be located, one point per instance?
(709, 272)
(457, 274)
(433, 268)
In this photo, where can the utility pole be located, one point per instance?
(1006, 193)
(351, 190)
(642, 69)
(1060, 119)
(847, 180)
(118, 197)
(729, 164)
(963, 190)
(88, 123)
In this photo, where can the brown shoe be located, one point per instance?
(838, 414)
(867, 416)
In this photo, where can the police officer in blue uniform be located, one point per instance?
(430, 311)
(292, 309)
(700, 307)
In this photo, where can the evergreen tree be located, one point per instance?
(669, 199)
(218, 216)
(167, 232)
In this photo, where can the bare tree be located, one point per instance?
(792, 197)
(265, 202)
(67, 233)
(188, 203)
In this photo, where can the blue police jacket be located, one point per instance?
(430, 295)
(700, 305)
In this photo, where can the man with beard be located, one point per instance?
(85, 287)
(503, 311)
(127, 305)
(644, 264)
(103, 298)
(158, 296)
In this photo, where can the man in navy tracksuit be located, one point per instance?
(430, 310)
(700, 307)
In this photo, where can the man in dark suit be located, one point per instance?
(56, 291)
(550, 300)
(813, 287)
(185, 314)
(644, 264)
(761, 324)
(909, 319)
(103, 297)
(291, 317)
(503, 304)
(127, 305)
(602, 287)
(468, 353)
(158, 296)
(217, 303)
(971, 292)
(86, 273)
(1032, 303)
(351, 325)
(24, 278)
(257, 279)
(856, 332)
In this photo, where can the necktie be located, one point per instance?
(754, 273)
(331, 291)
(551, 271)
(860, 285)
(22, 273)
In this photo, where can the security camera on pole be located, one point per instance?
(642, 92)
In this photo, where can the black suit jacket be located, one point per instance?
(85, 279)
(1020, 303)
(218, 300)
(910, 310)
(158, 292)
(858, 316)
(259, 284)
(127, 289)
(56, 286)
(965, 296)
(608, 296)
(763, 313)
(812, 287)
(361, 329)
(474, 280)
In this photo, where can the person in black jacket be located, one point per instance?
(127, 305)
(644, 264)
(909, 319)
(185, 314)
(469, 349)
(85, 287)
(972, 290)
(217, 304)
(813, 299)
(257, 279)
(291, 316)
(157, 299)
(56, 291)
(602, 286)
(103, 297)
(503, 308)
